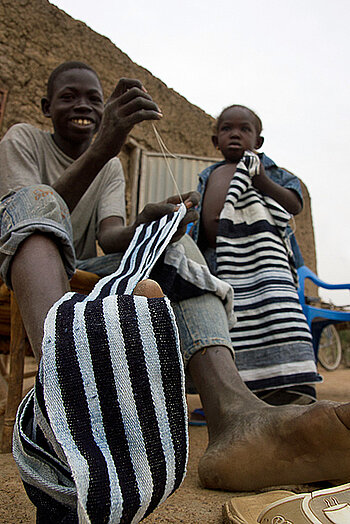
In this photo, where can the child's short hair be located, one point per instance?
(258, 122)
(66, 66)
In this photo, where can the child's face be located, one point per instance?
(236, 133)
(76, 107)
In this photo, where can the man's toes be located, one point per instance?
(148, 288)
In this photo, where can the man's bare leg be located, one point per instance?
(38, 279)
(253, 445)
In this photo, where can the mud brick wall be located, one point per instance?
(35, 37)
(304, 233)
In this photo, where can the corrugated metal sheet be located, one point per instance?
(155, 181)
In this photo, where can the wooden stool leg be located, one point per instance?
(3, 393)
(15, 383)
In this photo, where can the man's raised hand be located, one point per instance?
(129, 104)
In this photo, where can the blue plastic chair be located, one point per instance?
(318, 318)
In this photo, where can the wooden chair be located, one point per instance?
(14, 343)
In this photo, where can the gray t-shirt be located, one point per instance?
(30, 156)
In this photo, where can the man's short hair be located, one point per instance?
(66, 66)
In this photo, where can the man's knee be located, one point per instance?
(191, 249)
(34, 209)
(33, 203)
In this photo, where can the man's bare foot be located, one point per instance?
(272, 446)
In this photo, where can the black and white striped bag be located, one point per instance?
(102, 438)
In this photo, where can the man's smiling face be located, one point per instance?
(75, 108)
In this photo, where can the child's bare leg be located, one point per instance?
(38, 279)
(253, 445)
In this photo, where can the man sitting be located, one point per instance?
(251, 445)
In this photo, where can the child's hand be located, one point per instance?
(260, 178)
(262, 170)
(129, 104)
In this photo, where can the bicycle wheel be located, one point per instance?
(329, 350)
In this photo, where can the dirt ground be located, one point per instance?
(191, 504)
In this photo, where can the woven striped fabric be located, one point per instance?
(102, 438)
(271, 338)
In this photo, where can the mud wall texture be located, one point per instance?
(304, 232)
(35, 37)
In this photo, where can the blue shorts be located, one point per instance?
(202, 321)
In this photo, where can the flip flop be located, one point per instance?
(245, 509)
(323, 506)
(200, 412)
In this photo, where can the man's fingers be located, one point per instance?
(132, 99)
(130, 108)
(137, 104)
(191, 216)
(154, 212)
(190, 199)
(135, 94)
(139, 116)
(192, 196)
(124, 85)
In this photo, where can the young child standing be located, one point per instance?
(243, 233)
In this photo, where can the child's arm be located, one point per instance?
(288, 198)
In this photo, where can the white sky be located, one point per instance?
(286, 59)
